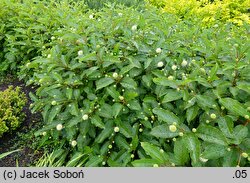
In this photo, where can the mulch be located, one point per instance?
(27, 155)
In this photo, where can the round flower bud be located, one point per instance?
(103, 163)
(73, 143)
(194, 130)
(204, 160)
(120, 14)
(80, 52)
(132, 156)
(174, 67)
(115, 75)
(53, 38)
(213, 116)
(222, 107)
(184, 63)
(203, 70)
(146, 118)
(172, 164)
(134, 28)
(59, 127)
(172, 128)
(49, 56)
(140, 130)
(161, 151)
(91, 16)
(121, 97)
(110, 146)
(181, 134)
(246, 116)
(53, 102)
(85, 117)
(174, 139)
(158, 50)
(44, 133)
(155, 165)
(160, 64)
(228, 149)
(170, 78)
(244, 155)
(116, 129)
(207, 121)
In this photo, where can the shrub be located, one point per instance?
(126, 88)
(208, 11)
(12, 102)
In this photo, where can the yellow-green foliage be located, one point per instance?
(12, 101)
(235, 11)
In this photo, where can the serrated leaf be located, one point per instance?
(121, 142)
(113, 93)
(234, 106)
(166, 115)
(105, 133)
(162, 131)
(181, 152)
(53, 112)
(134, 105)
(129, 83)
(103, 82)
(240, 132)
(211, 134)
(205, 102)
(106, 111)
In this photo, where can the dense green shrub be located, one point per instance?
(122, 87)
(12, 101)
(98, 4)
(236, 11)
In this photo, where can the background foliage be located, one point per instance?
(120, 86)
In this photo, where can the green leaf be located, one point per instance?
(162, 131)
(101, 83)
(194, 147)
(73, 108)
(211, 134)
(69, 93)
(134, 105)
(97, 121)
(181, 152)
(153, 151)
(234, 106)
(129, 83)
(75, 159)
(205, 102)
(3, 155)
(240, 133)
(166, 115)
(106, 111)
(191, 113)
(117, 107)
(94, 161)
(165, 82)
(145, 163)
(53, 112)
(214, 151)
(231, 158)
(105, 133)
(113, 93)
(122, 142)
(226, 125)
(172, 95)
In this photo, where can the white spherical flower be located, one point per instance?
(132, 156)
(44, 133)
(28, 64)
(134, 28)
(121, 97)
(116, 129)
(120, 14)
(59, 127)
(115, 75)
(246, 116)
(80, 52)
(140, 130)
(194, 130)
(184, 63)
(91, 16)
(161, 151)
(53, 102)
(110, 146)
(229, 149)
(207, 121)
(204, 160)
(172, 128)
(49, 56)
(73, 143)
(170, 78)
(174, 139)
(155, 165)
(181, 134)
(53, 38)
(160, 64)
(174, 67)
(103, 163)
(213, 116)
(244, 155)
(158, 50)
(85, 117)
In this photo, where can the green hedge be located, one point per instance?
(121, 87)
